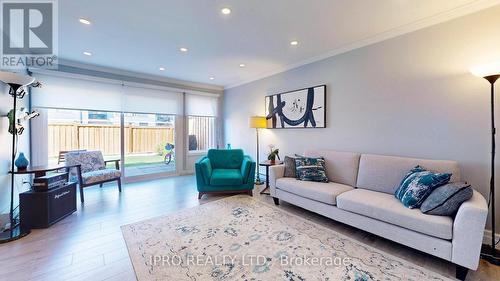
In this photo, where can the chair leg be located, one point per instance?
(100, 185)
(81, 192)
(119, 180)
(200, 195)
(250, 193)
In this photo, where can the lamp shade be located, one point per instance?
(486, 69)
(258, 122)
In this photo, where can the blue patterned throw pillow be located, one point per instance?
(311, 169)
(417, 184)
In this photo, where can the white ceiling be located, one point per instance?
(143, 35)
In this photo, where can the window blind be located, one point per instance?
(201, 104)
(93, 94)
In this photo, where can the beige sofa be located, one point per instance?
(361, 194)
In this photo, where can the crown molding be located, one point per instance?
(463, 10)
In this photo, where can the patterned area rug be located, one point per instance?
(240, 238)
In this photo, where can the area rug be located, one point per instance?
(240, 238)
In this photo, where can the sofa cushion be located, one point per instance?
(226, 177)
(385, 207)
(445, 200)
(384, 173)
(341, 167)
(225, 158)
(311, 169)
(418, 184)
(325, 192)
(100, 175)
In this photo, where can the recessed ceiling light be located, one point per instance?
(183, 49)
(161, 68)
(242, 65)
(225, 11)
(84, 21)
(87, 53)
(211, 78)
(294, 43)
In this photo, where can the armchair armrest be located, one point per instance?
(247, 166)
(468, 231)
(117, 163)
(203, 169)
(275, 172)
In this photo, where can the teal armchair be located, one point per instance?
(225, 171)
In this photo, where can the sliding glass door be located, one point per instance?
(70, 130)
(148, 138)
(149, 144)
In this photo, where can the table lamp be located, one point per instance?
(257, 122)
(491, 72)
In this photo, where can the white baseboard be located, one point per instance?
(487, 237)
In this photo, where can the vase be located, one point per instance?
(22, 162)
(272, 161)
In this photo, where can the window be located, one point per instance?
(201, 114)
(201, 133)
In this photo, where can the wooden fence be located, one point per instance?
(201, 132)
(106, 138)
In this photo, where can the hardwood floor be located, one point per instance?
(88, 245)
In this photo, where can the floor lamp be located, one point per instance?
(257, 123)
(15, 82)
(491, 72)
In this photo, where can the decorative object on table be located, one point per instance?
(17, 89)
(92, 169)
(257, 122)
(311, 169)
(445, 200)
(273, 154)
(304, 108)
(417, 184)
(268, 164)
(290, 171)
(22, 162)
(224, 171)
(491, 72)
(244, 227)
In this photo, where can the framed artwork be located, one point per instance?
(304, 108)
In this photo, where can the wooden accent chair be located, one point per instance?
(93, 169)
(62, 155)
(225, 171)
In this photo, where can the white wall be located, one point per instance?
(410, 96)
(5, 149)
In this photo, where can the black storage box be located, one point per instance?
(41, 209)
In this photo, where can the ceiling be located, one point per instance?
(144, 35)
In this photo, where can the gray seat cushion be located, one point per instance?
(385, 207)
(100, 175)
(318, 191)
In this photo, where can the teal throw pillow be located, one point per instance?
(311, 169)
(418, 184)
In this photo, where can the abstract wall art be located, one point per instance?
(304, 108)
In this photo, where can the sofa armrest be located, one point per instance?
(246, 167)
(468, 230)
(275, 172)
(203, 169)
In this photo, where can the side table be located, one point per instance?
(268, 164)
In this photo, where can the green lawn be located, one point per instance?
(142, 160)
